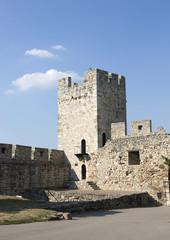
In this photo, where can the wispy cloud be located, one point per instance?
(59, 47)
(42, 80)
(10, 91)
(40, 53)
(44, 53)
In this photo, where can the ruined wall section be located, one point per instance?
(23, 167)
(111, 169)
(111, 102)
(118, 130)
(77, 119)
(141, 127)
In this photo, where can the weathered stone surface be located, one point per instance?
(141, 128)
(97, 107)
(59, 216)
(22, 170)
(110, 167)
(74, 196)
(118, 130)
(86, 111)
(67, 216)
(5, 150)
(125, 201)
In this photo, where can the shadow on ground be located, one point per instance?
(95, 213)
(8, 204)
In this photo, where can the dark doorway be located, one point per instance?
(83, 171)
(83, 146)
(103, 139)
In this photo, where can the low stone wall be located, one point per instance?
(76, 195)
(126, 201)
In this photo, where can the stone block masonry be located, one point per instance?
(85, 114)
(141, 128)
(5, 151)
(125, 201)
(132, 163)
(23, 167)
(93, 134)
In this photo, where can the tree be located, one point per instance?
(167, 162)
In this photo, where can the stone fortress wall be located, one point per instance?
(93, 143)
(132, 163)
(23, 167)
(95, 112)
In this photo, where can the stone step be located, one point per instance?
(93, 185)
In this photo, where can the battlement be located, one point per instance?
(138, 128)
(64, 82)
(94, 76)
(27, 153)
(101, 76)
(141, 127)
(98, 75)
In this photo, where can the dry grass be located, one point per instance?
(14, 210)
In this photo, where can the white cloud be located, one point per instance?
(10, 91)
(40, 53)
(43, 80)
(59, 47)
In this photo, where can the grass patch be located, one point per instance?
(11, 203)
(14, 210)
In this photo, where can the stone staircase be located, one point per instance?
(93, 185)
(83, 184)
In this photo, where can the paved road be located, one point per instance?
(123, 224)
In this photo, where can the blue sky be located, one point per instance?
(43, 40)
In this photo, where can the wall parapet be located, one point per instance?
(24, 167)
(140, 128)
(10, 152)
(93, 76)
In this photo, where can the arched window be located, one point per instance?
(103, 139)
(83, 171)
(83, 146)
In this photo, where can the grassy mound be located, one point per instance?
(14, 210)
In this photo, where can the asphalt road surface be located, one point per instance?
(123, 224)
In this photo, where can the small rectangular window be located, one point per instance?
(134, 158)
(140, 127)
(3, 150)
(41, 153)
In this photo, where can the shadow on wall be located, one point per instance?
(73, 175)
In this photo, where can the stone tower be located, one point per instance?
(85, 114)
